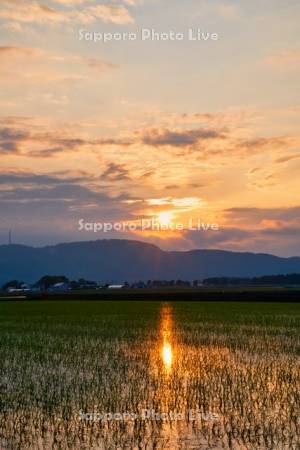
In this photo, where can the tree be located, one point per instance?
(49, 280)
(13, 284)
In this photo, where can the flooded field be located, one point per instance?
(151, 375)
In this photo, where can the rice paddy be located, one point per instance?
(149, 375)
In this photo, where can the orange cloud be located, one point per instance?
(287, 59)
(107, 13)
(35, 12)
(46, 66)
(178, 138)
(30, 11)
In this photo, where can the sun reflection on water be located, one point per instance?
(167, 355)
(166, 326)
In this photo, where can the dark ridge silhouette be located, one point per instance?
(120, 260)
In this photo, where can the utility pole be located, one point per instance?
(9, 238)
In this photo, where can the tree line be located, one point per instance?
(274, 280)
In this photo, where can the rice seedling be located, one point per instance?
(128, 375)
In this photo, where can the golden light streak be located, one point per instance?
(167, 355)
(166, 334)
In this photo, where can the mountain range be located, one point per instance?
(115, 260)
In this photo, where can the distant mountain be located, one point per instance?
(120, 260)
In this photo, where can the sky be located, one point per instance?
(171, 131)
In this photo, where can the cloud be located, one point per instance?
(262, 230)
(257, 215)
(10, 139)
(80, 193)
(181, 138)
(287, 158)
(14, 27)
(180, 204)
(266, 240)
(213, 145)
(21, 136)
(287, 59)
(38, 13)
(47, 204)
(209, 146)
(118, 15)
(14, 178)
(115, 172)
(223, 10)
(132, 2)
(47, 67)
(30, 11)
(16, 140)
(228, 11)
(72, 2)
(259, 144)
(42, 199)
(99, 65)
(15, 52)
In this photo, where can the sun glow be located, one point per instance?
(165, 218)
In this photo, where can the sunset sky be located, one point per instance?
(128, 130)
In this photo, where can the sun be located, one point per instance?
(165, 218)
